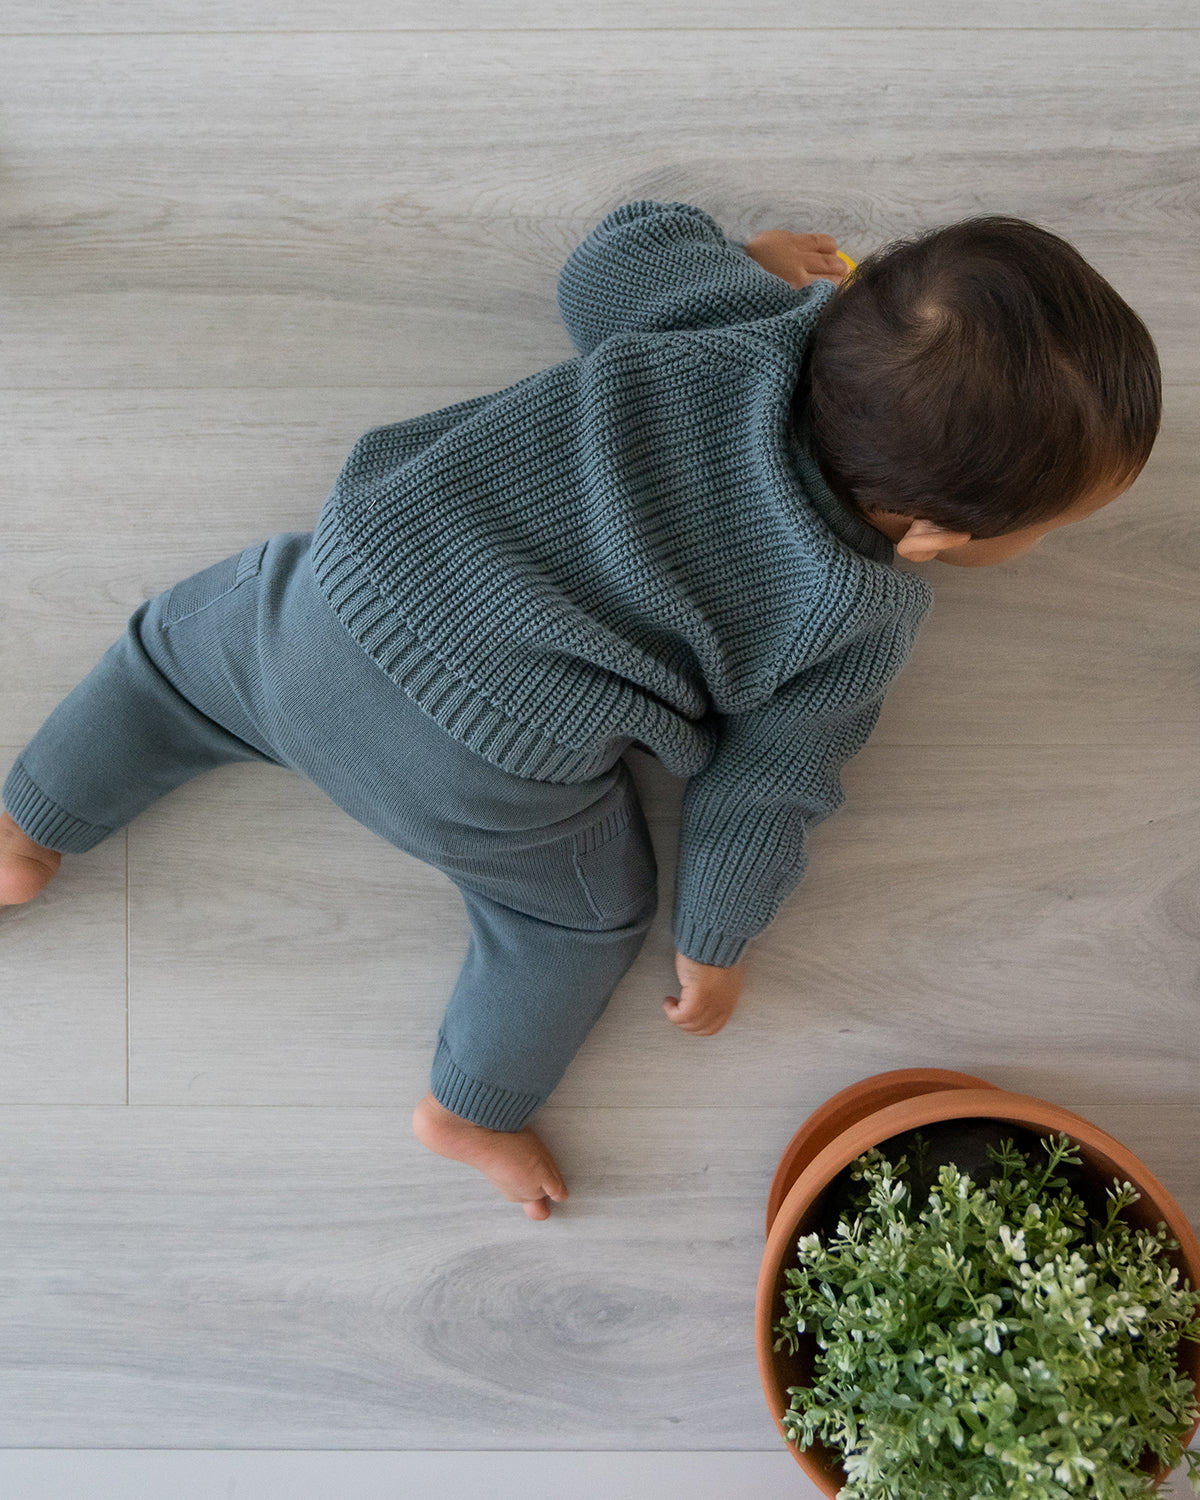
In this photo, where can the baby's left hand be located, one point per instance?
(797, 258)
(707, 997)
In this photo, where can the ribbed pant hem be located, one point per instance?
(481, 1103)
(43, 820)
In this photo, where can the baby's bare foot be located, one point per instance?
(517, 1162)
(25, 867)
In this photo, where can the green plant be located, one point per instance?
(996, 1340)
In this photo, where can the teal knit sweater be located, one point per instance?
(630, 548)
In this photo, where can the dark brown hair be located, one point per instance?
(981, 376)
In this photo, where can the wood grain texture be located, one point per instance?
(131, 16)
(63, 991)
(380, 145)
(314, 1279)
(201, 1474)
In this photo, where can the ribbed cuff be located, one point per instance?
(481, 1103)
(706, 945)
(41, 818)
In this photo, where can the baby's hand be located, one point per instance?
(707, 996)
(797, 258)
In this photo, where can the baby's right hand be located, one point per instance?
(797, 258)
(707, 996)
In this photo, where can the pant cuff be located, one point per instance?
(43, 820)
(481, 1103)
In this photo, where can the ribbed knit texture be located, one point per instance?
(483, 1104)
(44, 820)
(628, 548)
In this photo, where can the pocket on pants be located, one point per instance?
(191, 595)
(601, 877)
(614, 860)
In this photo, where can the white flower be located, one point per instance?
(1014, 1244)
(1125, 1319)
(1069, 1465)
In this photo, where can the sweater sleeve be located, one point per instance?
(776, 773)
(659, 267)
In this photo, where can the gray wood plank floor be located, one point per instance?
(231, 243)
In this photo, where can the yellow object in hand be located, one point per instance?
(851, 266)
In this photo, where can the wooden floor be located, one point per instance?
(233, 239)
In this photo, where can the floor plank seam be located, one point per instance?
(128, 1036)
(628, 31)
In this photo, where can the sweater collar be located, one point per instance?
(844, 524)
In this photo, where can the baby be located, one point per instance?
(683, 541)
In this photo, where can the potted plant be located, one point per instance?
(969, 1293)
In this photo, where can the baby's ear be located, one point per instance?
(924, 540)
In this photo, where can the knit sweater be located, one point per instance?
(631, 548)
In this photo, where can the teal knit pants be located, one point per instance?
(246, 661)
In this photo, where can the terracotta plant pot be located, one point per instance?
(875, 1110)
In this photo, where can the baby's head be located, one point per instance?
(976, 386)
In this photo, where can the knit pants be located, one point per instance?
(246, 661)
